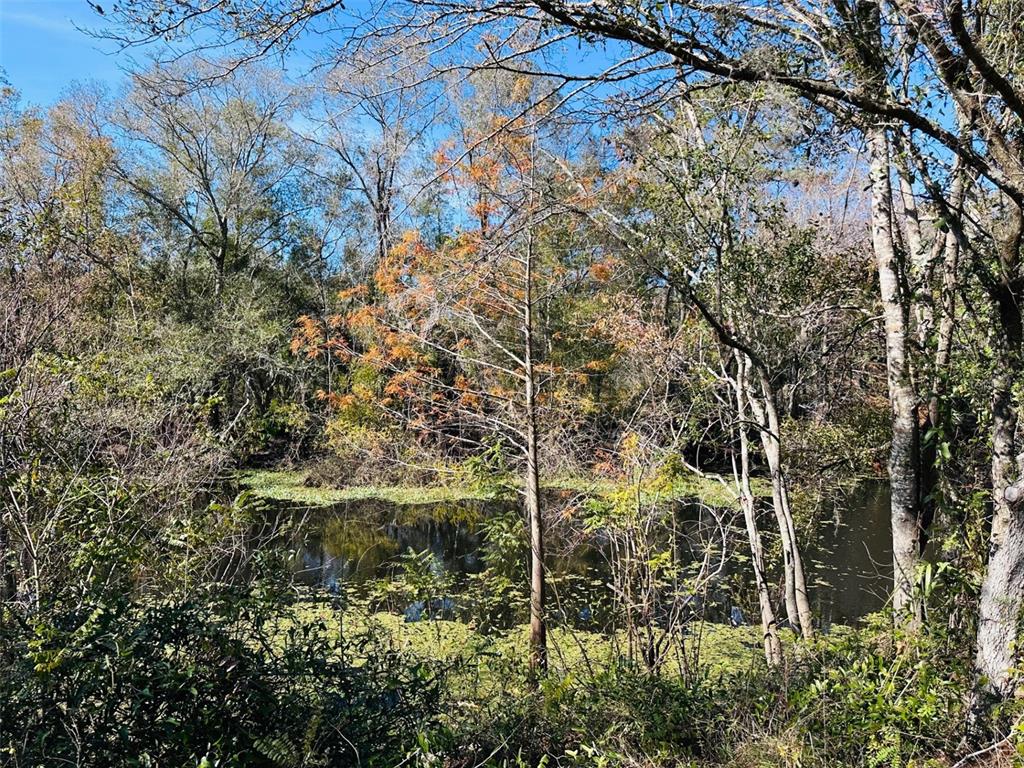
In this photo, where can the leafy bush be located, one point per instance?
(489, 473)
(228, 680)
(499, 595)
(883, 705)
(616, 716)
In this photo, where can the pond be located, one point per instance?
(358, 542)
(852, 566)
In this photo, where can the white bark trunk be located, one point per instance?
(771, 439)
(903, 451)
(798, 607)
(769, 626)
(1002, 591)
(999, 609)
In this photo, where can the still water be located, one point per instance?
(356, 542)
(852, 567)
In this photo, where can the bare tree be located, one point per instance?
(210, 163)
(376, 107)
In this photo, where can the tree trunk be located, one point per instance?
(220, 259)
(903, 451)
(769, 626)
(1002, 591)
(938, 412)
(538, 629)
(8, 588)
(1001, 600)
(772, 458)
(789, 581)
(766, 412)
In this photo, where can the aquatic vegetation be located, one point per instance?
(290, 485)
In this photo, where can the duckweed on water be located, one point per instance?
(290, 486)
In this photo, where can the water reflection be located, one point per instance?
(358, 542)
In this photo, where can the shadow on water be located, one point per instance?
(358, 542)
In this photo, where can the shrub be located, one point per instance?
(883, 705)
(226, 680)
(620, 716)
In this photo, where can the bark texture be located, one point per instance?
(904, 450)
(1002, 591)
(798, 604)
(538, 627)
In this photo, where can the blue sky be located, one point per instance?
(42, 52)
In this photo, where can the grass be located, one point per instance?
(289, 486)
